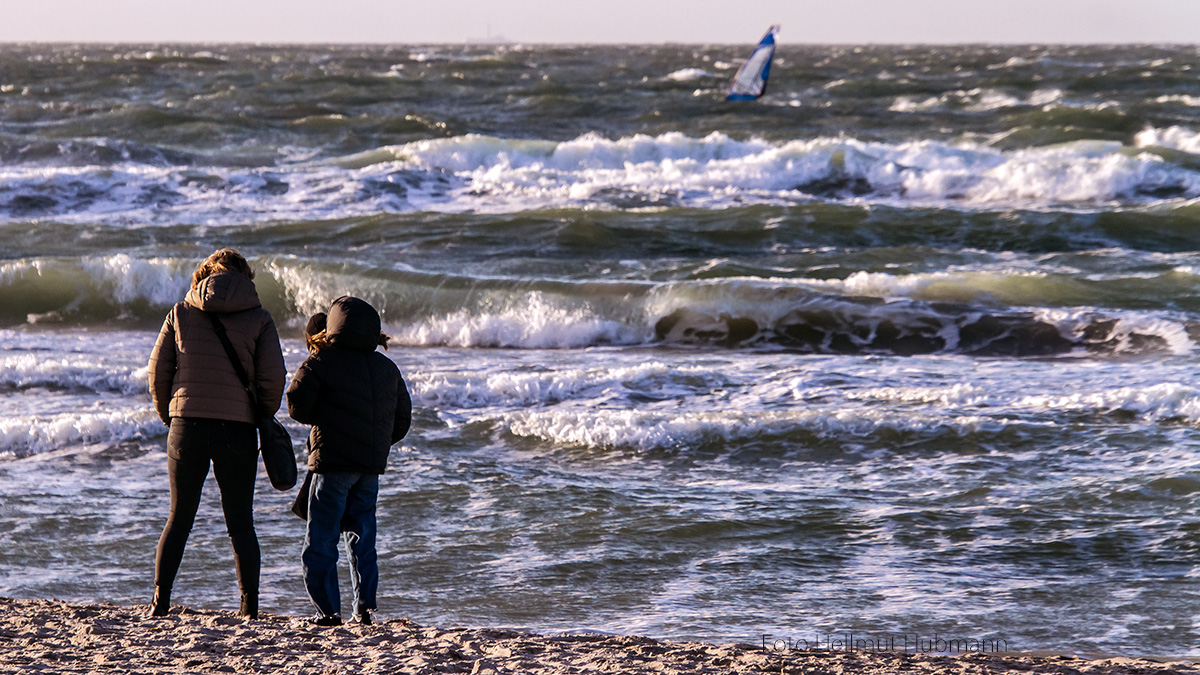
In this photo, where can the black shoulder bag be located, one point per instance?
(273, 440)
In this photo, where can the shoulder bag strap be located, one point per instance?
(233, 357)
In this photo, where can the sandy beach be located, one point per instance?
(59, 637)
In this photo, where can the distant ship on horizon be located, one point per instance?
(489, 38)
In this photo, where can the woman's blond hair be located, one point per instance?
(225, 260)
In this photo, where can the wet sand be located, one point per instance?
(58, 637)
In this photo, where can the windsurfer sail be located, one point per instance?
(751, 79)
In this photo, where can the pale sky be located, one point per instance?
(606, 21)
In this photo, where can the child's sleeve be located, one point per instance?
(302, 392)
(403, 419)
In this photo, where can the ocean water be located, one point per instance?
(905, 349)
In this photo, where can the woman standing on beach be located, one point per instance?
(211, 416)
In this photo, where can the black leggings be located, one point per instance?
(232, 448)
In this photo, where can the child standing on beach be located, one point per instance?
(358, 406)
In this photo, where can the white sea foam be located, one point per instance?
(160, 281)
(648, 430)
(911, 104)
(991, 99)
(688, 74)
(36, 434)
(489, 174)
(1156, 402)
(975, 100)
(70, 371)
(311, 291)
(468, 390)
(1043, 97)
(140, 195)
(450, 55)
(1012, 62)
(1193, 101)
(1170, 330)
(535, 324)
(1174, 138)
(709, 171)
(957, 395)
(1167, 400)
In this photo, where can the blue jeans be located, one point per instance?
(341, 503)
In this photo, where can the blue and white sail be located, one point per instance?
(751, 79)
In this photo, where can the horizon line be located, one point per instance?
(494, 42)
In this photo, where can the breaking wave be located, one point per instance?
(975, 312)
(23, 435)
(475, 173)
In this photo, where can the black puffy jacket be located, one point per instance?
(353, 396)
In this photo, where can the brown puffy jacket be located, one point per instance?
(190, 374)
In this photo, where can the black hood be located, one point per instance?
(353, 324)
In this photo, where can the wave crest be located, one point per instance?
(486, 174)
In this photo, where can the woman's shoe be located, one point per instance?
(160, 605)
(249, 607)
